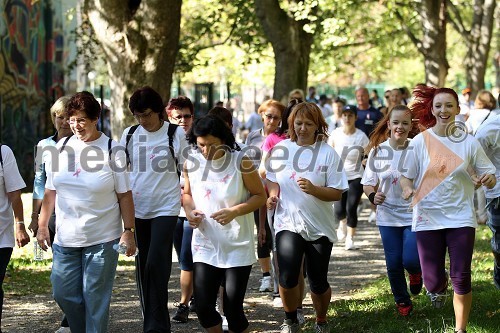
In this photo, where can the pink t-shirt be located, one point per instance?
(272, 140)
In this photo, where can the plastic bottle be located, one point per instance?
(37, 251)
(121, 248)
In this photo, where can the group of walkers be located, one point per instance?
(178, 182)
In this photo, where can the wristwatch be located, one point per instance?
(132, 230)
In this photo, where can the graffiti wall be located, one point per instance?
(31, 74)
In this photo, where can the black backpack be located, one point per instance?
(69, 137)
(170, 133)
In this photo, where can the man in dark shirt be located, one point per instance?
(368, 116)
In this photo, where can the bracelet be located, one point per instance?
(20, 222)
(371, 197)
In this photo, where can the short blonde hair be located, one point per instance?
(293, 94)
(59, 107)
(485, 100)
(312, 112)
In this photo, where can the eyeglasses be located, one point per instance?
(271, 117)
(79, 121)
(387, 96)
(143, 116)
(185, 117)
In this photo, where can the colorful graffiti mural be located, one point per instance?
(31, 74)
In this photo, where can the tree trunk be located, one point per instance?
(433, 45)
(140, 40)
(291, 46)
(478, 43)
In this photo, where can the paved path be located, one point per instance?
(349, 270)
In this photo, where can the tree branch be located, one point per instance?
(457, 21)
(411, 35)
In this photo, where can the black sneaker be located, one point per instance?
(192, 305)
(182, 313)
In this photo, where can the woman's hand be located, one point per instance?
(306, 186)
(379, 198)
(43, 238)
(128, 239)
(488, 180)
(34, 224)
(195, 217)
(224, 216)
(271, 203)
(22, 237)
(408, 192)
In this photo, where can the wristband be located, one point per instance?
(371, 197)
(20, 222)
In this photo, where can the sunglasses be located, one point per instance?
(185, 117)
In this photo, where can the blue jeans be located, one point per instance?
(183, 235)
(400, 249)
(82, 281)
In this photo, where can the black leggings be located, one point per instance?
(348, 205)
(207, 280)
(5, 254)
(153, 265)
(291, 247)
(264, 250)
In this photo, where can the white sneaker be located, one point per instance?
(225, 326)
(265, 284)
(63, 330)
(277, 302)
(373, 217)
(349, 244)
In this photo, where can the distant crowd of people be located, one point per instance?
(428, 162)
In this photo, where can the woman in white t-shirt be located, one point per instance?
(349, 143)
(442, 168)
(155, 148)
(221, 191)
(381, 185)
(88, 185)
(304, 176)
(11, 184)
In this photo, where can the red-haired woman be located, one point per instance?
(388, 146)
(443, 166)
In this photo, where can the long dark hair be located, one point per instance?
(284, 118)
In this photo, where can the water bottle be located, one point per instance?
(37, 251)
(121, 248)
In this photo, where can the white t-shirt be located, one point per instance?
(444, 188)
(297, 211)
(215, 185)
(384, 169)
(350, 148)
(153, 177)
(86, 184)
(488, 135)
(476, 117)
(10, 181)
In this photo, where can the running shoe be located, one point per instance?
(225, 326)
(322, 327)
(438, 300)
(349, 244)
(192, 305)
(404, 309)
(265, 284)
(277, 302)
(373, 217)
(63, 330)
(300, 316)
(416, 283)
(289, 327)
(182, 313)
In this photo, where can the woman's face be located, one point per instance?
(400, 125)
(182, 117)
(211, 147)
(149, 120)
(305, 129)
(445, 108)
(271, 118)
(82, 126)
(61, 125)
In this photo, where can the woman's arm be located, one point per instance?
(407, 187)
(126, 203)
(321, 192)
(257, 198)
(377, 198)
(193, 215)
(22, 237)
(42, 235)
(273, 189)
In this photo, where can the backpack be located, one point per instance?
(1, 158)
(69, 137)
(170, 133)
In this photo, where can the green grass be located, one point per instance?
(373, 308)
